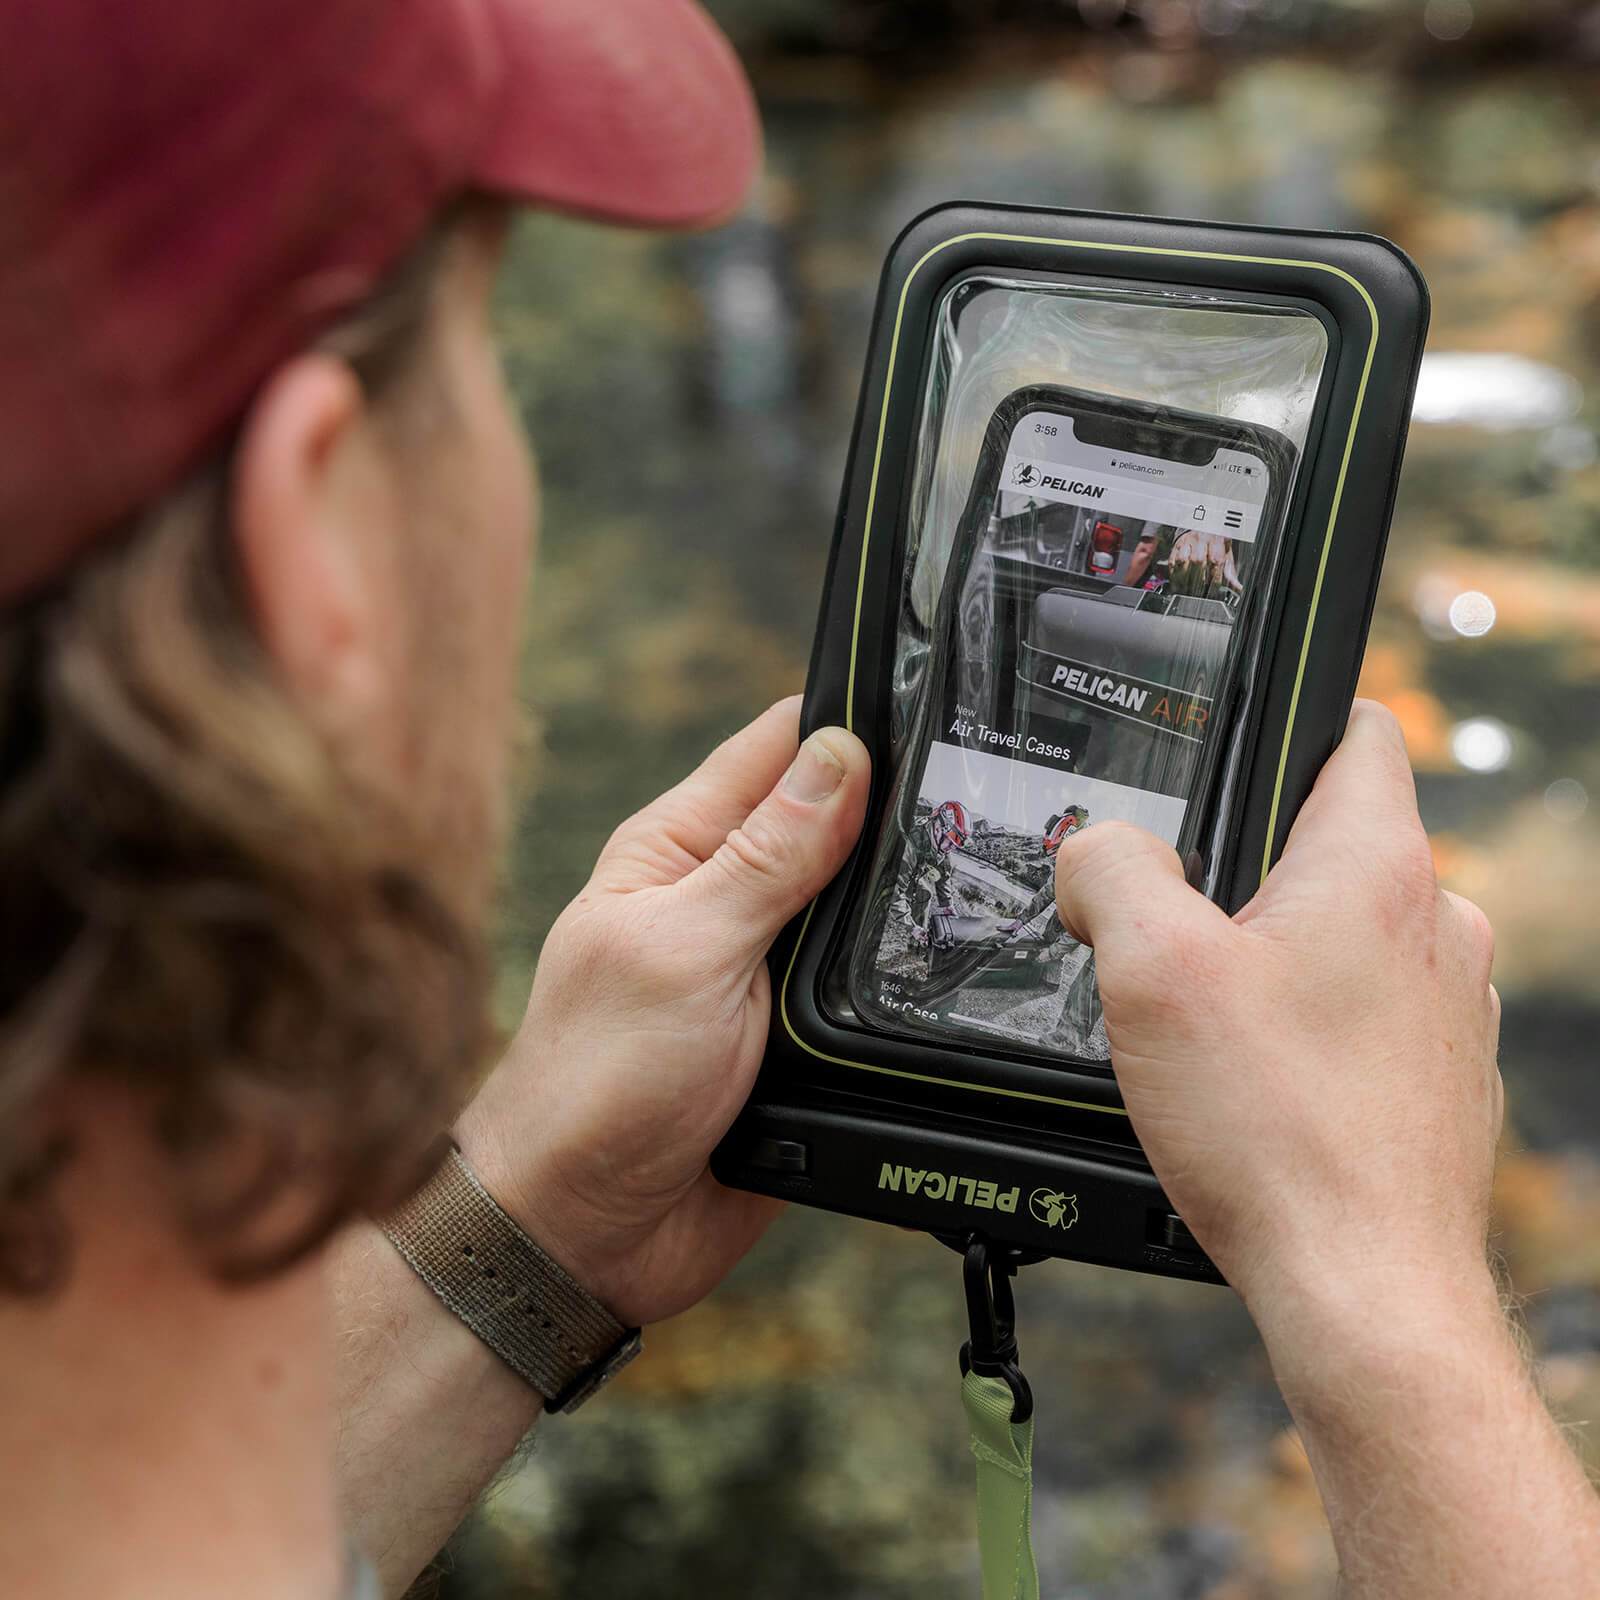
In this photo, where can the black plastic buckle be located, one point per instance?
(991, 1347)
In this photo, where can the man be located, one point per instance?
(264, 529)
(263, 523)
(1061, 825)
(930, 876)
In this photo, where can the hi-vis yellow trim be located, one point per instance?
(861, 583)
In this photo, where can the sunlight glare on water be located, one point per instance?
(1481, 744)
(1493, 390)
(1471, 614)
(1566, 800)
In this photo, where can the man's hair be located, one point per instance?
(198, 904)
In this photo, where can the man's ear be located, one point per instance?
(315, 511)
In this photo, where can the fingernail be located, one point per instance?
(815, 773)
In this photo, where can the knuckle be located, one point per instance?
(1477, 930)
(661, 831)
(623, 832)
(1113, 834)
(622, 838)
(573, 935)
(757, 849)
(1090, 853)
(1401, 870)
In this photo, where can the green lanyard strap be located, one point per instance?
(999, 1408)
(1005, 1489)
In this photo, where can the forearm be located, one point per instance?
(428, 1414)
(1443, 1474)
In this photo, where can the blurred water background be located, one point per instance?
(800, 1435)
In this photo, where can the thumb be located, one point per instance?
(1123, 891)
(783, 854)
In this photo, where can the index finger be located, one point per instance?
(674, 834)
(1365, 796)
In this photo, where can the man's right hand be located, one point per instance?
(1314, 1082)
(1314, 1079)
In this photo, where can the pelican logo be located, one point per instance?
(950, 1187)
(1023, 473)
(1053, 1209)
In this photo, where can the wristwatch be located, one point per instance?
(490, 1274)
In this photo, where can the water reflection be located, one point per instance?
(1566, 800)
(692, 401)
(1482, 744)
(1493, 390)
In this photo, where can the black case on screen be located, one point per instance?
(1036, 1154)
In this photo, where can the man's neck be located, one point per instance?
(162, 1435)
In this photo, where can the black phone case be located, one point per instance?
(1038, 1156)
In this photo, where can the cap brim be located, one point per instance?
(630, 110)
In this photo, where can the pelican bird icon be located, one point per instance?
(1053, 1208)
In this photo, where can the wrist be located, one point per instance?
(440, 1360)
(529, 1191)
(1336, 1330)
(502, 1284)
(428, 1413)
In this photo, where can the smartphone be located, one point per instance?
(1087, 660)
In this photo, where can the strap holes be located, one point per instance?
(466, 1250)
(488, 1272)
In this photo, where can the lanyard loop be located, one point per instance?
(999, 1407)
(991, 1347)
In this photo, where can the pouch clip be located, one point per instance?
(991, 1347)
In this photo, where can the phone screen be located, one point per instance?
(1082, 669)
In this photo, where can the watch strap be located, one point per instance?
(548, 1329)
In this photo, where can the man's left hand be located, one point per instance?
(649, 1016)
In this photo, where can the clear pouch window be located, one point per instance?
(1090, 556)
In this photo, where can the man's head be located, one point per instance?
(264, 524)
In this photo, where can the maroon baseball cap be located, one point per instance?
(190, 192)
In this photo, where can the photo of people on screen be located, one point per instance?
(1118, 551)
(972, 892)
(970, 937)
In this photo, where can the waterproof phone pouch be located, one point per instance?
(1110, 535)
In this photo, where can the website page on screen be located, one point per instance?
(1086, 658)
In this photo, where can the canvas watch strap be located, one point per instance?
(491, 1275)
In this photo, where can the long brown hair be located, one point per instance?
(198, 902)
